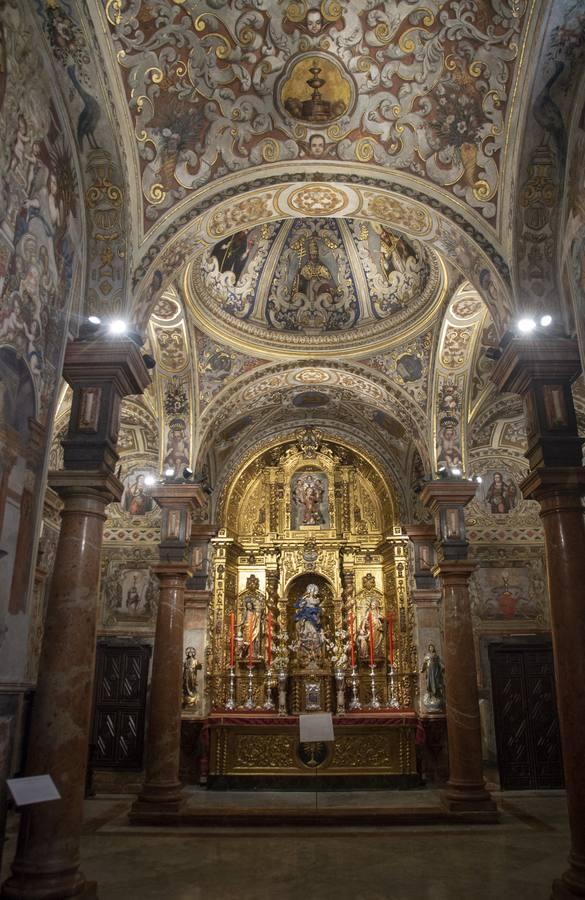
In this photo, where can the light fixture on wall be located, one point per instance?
(117, 326)
(169, 473)
(526, 325)
(149, 480)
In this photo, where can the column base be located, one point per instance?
(571, 884)
(50, 888)
(470, 799)
(156, 802)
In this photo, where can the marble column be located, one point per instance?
(465, 792)
(161, 792)
(542, 370)
(46, 866)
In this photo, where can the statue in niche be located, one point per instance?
(191, 667)
(309, 495)
(251, 622)
(363, 634)
(307, 618)
(433, 669)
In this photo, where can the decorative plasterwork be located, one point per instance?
(462, 327)
(212, 89)
(312, 283)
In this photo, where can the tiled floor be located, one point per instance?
(514, 860)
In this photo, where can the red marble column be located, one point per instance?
(542, 370)
(466, 791)
(161, 792)
(46, 866)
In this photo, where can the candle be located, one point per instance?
(232, 638)
(390, 646)
(371, 639)
(250, 647)
(351, 640)
(269, 643)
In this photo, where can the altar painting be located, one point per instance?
(309, 499)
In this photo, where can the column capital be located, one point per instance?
(178, 501)
(547, 482)
(169, 570)
(453, 571)
(447, 498)
(179, 495)
(92, 484)
(446, 492)
(114, 361)
(525, 361)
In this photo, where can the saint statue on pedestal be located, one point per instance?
(363, 635)
(434, 670)
(308, 621)
(191, 667)
(250, 626)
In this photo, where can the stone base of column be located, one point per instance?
(156, 801)
(48, 887)
(470, 799)
(571, 885)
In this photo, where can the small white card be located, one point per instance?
(34, 789)
(316, 727)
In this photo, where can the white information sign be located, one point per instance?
(316, 727)
(34, 789)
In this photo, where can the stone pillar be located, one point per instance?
(161, 792)
(466, 791)
(541, 370)
(46, 865)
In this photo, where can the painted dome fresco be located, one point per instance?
(316, 284)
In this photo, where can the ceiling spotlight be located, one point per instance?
(95, 320)
(169, 472)
(455, 471)
(149, 361)
(545, 321)
(150, 480)
(117, 326)
(479, 479)
(187, 472)
(526, 325)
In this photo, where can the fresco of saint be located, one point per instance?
(308, 495)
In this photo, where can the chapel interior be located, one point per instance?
(292, 533)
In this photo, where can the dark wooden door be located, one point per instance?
(121, 680)
(525, 713)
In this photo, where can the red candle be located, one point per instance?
(231, 640)
(351, 640)
(371, 639)
(390, 646)
(250, 648)
(269, 643)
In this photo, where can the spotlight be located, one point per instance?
(117, 326)
(479, 479)
(455, 471)
(149, 361)
(169, 472)
(187, 473)
(545, 321)
(149, 480)
(526, 325)
(95, 320)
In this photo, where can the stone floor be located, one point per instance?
(514, 860)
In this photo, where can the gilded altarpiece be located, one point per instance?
(310, 612)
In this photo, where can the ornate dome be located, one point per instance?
(315, 285)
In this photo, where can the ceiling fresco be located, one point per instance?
(314, 277)
(222, 86)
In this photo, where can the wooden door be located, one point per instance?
(527, 729)
(121, 680)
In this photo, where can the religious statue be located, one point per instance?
(308, 621)
(308, 493)
(191, 667)
(250, 626)
(433, 669)
(363, 635)
(501, 495)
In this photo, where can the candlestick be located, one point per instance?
(374, 702)
(351, 640)
(232, 639)
(249, 704)
(250, 645)
(354, 703)
(281, 692)
(231, 703)
(269, 641)
(268, 702)
(371, 638)
(390, 642)
(340, 684)
(393, 702)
